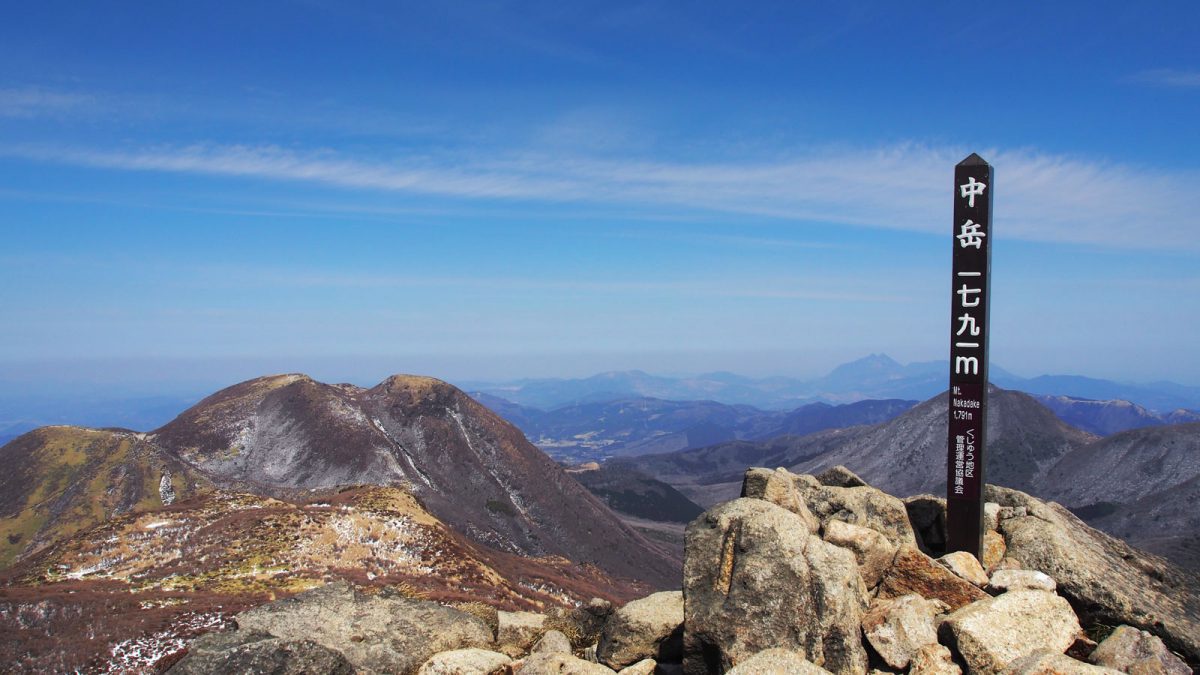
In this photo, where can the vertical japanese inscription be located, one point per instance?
(967, 436)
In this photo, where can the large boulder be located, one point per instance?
(992, 633)
(899, 627)
(755, 579)
(1135, 651)
(915, 572)
(1046, 662)
(649, 628)
(965, 566)
(933, 659)
(384, 633)
(862, 505)
(873, 551)
(561, 664)
(466, 662)
(777, 662)
(516, 632)
(1108, 581)
(840, 476)
(258, 652)
(780, 488)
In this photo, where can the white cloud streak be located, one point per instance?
(1169, 77)
(26, 102)
(1039, 197)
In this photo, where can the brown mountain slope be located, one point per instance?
(904, 456)
(908, 455)
(1126, 467)
(473, 470)
(139, 584)
(60, 480)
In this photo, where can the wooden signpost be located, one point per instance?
(967, 437)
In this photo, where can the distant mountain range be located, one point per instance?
(873, 377)
(1141, 484)
(638, 426)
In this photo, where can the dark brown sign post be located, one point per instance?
(967, 438)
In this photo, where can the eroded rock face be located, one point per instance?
(553, 642)
(1048, 662)
(258, 652)
(649, 628)
(933, 659)
(755, 579)
(863, 506)
(873, 551)
(377, 634)
(897, 628)
(465, 662)
(915, 572)
(840, 476)
(1131, 650)
(643, 667)
(561, 664)
(965, 566)
(992, 633)
(1010, 580)
(1108, 580)
(777, 662)
(778, 487)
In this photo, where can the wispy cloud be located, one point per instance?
(36, 101)
(1169, 77)
(1039, 197)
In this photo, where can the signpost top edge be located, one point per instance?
(973, 160)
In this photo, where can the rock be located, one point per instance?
(915, 572)
(779, 488)
(993, 550)
(1111, 582)
(1010, 580)
(927, 515)
(553, 642)
(898, 627)
(872, 551)
(376, 633)
(643, 667)
(1046, 662)
(1082, 648)
(965, 566)
(754, 578)
(934, 659)
(840, 476)
(465, 662)
(517, 631)
(864, 506)
(991, 516)
(1136, 651)
(649, 628)
(992, 633)
(257, 652)
(581, 625)
(776, 662)
(482, 611)
(561, 664)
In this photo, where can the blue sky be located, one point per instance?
(501, 189)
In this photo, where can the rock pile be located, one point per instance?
(800, 575)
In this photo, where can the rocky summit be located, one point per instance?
(286, 435)
(802, 574)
